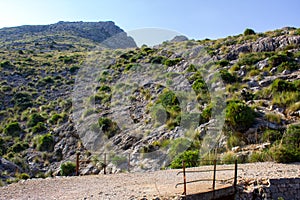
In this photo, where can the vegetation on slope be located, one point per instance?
(261, 87)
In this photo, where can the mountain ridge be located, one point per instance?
(95, 32)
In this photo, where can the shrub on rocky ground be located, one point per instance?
(67, 169)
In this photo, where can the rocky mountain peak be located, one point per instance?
(95, 32)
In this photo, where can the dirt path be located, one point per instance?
(136, 185)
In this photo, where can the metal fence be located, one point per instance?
(105, 160)
(213, 179)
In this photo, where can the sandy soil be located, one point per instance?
(138, 185)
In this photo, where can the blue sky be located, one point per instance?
(196, 19)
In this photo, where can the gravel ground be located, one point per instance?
(138, 185)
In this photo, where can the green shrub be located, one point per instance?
(6, 65)
(277, 59)
(279, 85)
(40, 127)
(234, 140)
(54, 118)
(228, 158)
(292, 136)
(223, 63)
(227, 77)
(249, 31)
(18, 160)
(74, 69)
(18, 147)
(23, 176)
(239, 116)
(168, 99)
(157, 60)
(177, 146)
(67, 169)
(199, 86)
(109, 127)
(190, 157)
(274, 118)
(256, 157)
(34, 119)
(285, 99)
(284, 154)
(172, 62)
(44, 142)
(251, 58)
(13, 129)
(206, 114)
(104, 88)
(22, 100)
(289, 149)
(271, 135)
(191, 68)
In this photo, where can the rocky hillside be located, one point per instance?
(65, 36)
(232, 98)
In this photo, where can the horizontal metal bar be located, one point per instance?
(194, 181)
(209, 170)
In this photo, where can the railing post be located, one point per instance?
(77, 163)
(235, 173)
(184, 178)
(214, 176)
(104, 170)
(128, 164)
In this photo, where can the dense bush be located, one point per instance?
(277, 59)
(279, 85)
(223, 63)
(22, 100)
(251, 58)
(227, 77)
(13, 129)
(239, 116)
(199, 86)
(228, 158)
(40, 127)
(249, 31)
(169, 107)
(285, 154)
(108, 127)
(168, 99)
(18, 147)
(190, 157)
(44, 142)
(34, 119)
(54, 118)
(23, 176)
(67, 169)
(172, 62)
(74, 68)
(289, 149)
(157, 60)
(271, 136)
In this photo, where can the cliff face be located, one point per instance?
(68, 32)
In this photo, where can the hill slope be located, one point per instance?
(152, 103)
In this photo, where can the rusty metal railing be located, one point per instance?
(214, 170)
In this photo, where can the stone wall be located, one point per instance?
(277, 189)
